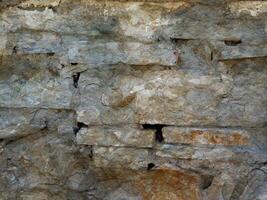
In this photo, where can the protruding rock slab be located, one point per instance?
(30, 81)
(212, 154)
(123, 95)
(206, 136)
(242, 52)
(18, 122)
(100, 52)
(115, 136)
(155, 20)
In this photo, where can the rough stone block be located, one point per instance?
(18, 122)
(242, 52)
(34, 82)
(174, 97)
(117, 136)
(208, 136)
(211, 154)
(94, 52)
(29, 43)
(155, 19)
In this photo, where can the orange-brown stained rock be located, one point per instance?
(205, 136)
(167, 185)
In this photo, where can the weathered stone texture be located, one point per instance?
(205, 136)
(138, 100)
(116, 136)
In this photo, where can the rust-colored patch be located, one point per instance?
(125, 101)
(206, 136)
(167, 185)
(211, 137)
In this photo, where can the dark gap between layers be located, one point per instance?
(158, 130)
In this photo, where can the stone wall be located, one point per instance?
(136, 100)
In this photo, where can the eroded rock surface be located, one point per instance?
(136, 100)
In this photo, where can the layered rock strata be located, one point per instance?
(138, 100)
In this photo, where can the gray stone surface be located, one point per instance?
(116, 136)
(138, 100)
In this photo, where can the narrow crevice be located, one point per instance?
(76, 78)
(242, 58)
(232, 42)
(179, 40)
(151, 67)
(158, 130)
(14, 50)
(211, 56)
(73, 64)
(50, 54)
(78, 127)
(91, 152)
(150, 166)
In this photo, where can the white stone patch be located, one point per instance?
(36, 19)
(202, 80)
(253, 8)
(73, 53)
(143, 24)
(40, 3)
(212, 154)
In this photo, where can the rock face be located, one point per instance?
(136, 100)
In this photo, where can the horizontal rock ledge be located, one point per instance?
(128, 136)
(206, 136)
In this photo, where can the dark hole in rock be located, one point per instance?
(78, 127)
(178, 40)
(158, 132)
(14, 49)
(53, 8)
(51, 54)
(76, 78)
(211, 56)
(91, 153)
(150, 166)
(232, 42)
(206, 182)
(74, 63)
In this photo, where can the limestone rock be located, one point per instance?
(138, 100)
(116, 157)
(116, 136)
(205, 136)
